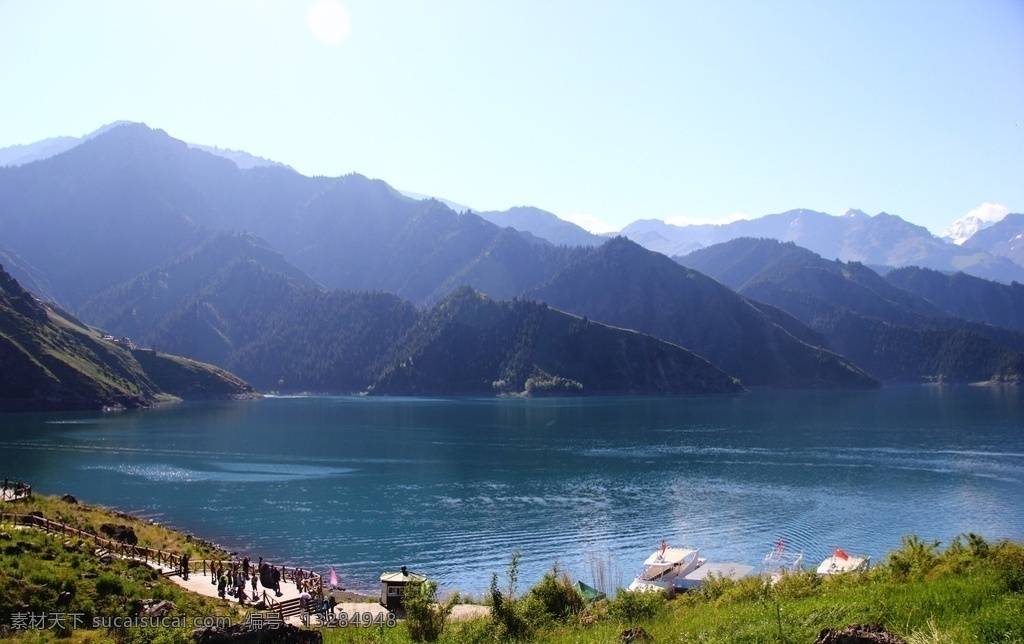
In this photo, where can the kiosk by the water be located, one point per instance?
(394, 584)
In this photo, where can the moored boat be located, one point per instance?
(779, 562)
(840, 562)
(665, 565)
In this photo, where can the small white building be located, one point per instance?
(393, 585)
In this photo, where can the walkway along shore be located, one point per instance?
(288, 605)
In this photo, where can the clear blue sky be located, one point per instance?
(609, 110)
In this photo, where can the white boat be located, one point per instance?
(663, 567)
(778, 563)
(841, 562)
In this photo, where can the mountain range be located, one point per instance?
(892, 333)
(345, 284)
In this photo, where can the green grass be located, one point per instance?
(972, 592)
(36, 568)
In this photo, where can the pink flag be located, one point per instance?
(334, 579)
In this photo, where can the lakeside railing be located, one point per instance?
(303, 579)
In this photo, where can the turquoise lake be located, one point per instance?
(452, 488)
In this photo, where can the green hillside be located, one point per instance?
(53, 361)
(470, 344)
(625, 285)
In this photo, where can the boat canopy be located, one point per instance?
(670, 556)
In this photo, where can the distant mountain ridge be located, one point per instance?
(881, 240)
(625, 285)
(16, 155)
(892, 333)
(330, 284)
(1004, 238)
(543, 224)
(889, 241)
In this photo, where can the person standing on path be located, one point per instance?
(222, 583)
(184, 566)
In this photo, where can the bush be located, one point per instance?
(713, 587)
(794, 585)
(914, 558)
(424, 617)
(964, 552)
(748, 589)
(508, 615)
(1009, 564)
(515, 619)
(634, 606)
(109, 584)
(557, 596)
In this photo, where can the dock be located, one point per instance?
(696, 578)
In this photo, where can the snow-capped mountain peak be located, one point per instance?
(981, 217)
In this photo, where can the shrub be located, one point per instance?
(109, 584)
(748, 589)
(794, 585)
(1008, 559)
(508, 615)
(557, 596)
(424, 617)
(515, 619)
(914, 558)
(713, 587)
(634, 606)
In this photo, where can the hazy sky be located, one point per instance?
(599, 110)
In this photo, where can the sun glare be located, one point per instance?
(329, 22)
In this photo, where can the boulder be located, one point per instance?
(872, 633)
(635, 634)
(67, 498)
(120, 532)
(156, 608)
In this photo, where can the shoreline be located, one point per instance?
(54, 516)
(8, 506)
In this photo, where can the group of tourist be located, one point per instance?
(233, 578)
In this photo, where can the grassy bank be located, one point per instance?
(56, 588)
(971, 591)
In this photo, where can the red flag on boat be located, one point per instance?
(334, 579)
(841, 555)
